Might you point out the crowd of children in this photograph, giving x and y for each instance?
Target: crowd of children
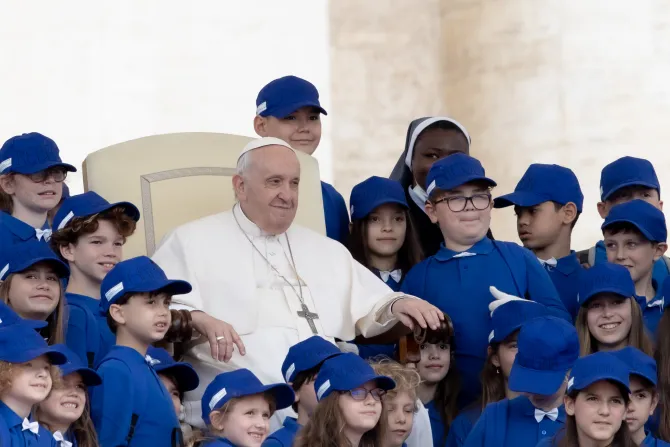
(541, 345)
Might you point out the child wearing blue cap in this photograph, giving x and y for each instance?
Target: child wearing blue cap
(237, 407)
(547, 202)
(89, 234)
(300, 369)
(382, 236)
(609, 316)
(440, 383)
(399, 405)
(643, 394)
(428, 140)
(66, 411)
(507, 317)
(132, 407)
(349, 394)
(635, 236)
(30, 283)
(289, 108)
(460, 203)
(26, 378)
(621, 181)
(547, 349)
(595, 404)
(31, 184)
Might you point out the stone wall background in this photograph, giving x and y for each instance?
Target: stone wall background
(559, 81)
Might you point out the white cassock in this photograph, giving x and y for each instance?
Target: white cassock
(232, 282)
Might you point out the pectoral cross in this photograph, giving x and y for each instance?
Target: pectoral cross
(309, 316)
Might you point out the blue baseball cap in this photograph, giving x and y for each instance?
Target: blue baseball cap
(284, 96)
(547, 349)
(240, 383)
(374, 192)
(543, 183)
(306, 355)
(23, 255)
(605, 277)
(596, 367)
(638, 363)
(75, 364)
(455, 170)
(20, 343)
(346, 372)
(627, 171)
(30, 153)
(648, 219)
(9, 318)
(509, 317)
(87, 204)
(138, 275)
(186, 377)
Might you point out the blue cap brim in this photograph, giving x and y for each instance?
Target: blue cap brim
(283, 112)
(186, 377)
(129, 209)
(34, 169)
(597, 378)
(383, 382)
(526, 380)
(451, 184)
(88, 376)
(55, 356)
(520, 198)
(642, 230)
(605, 289)
(62, 269)
(633, 183)
(171, 287)
(282, 393)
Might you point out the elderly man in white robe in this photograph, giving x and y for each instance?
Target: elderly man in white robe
(262, 283)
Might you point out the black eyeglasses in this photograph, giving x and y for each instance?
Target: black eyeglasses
(362, 393)
(58, 175)
(459, 203)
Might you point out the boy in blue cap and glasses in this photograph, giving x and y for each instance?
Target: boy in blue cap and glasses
(132, 407)
(89, 234)
(635, 236)
(623, 180)
(300, 369)
(289, 108)
(457, 279)
(547, 350)
(643, 394)
(31, 185)
(547, 202)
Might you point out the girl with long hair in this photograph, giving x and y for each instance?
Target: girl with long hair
(595, 404)
(237, 407)
(31, 185)
(66, 411)
(506, 321)
(350, 408)
(663, 365)
(609, 316)
(31, 284)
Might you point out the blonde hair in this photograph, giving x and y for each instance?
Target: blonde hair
(406, 379)
(637, 337)
(9, 370)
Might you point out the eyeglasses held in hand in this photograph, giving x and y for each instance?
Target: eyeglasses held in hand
(459, 203)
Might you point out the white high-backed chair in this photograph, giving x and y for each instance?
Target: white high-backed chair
(176, 178)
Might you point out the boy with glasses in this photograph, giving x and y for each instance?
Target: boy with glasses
(31, 185)
(547, 203)
(459, 277)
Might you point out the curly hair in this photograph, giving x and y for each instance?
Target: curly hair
(9, 370)
(54, 332)
(81, 226)
(406, 379)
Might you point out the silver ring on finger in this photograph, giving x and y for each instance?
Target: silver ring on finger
(220, 337)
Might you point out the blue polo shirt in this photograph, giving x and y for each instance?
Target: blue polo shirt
(69, 437)
(462, 425)
(336, 214)
(14, 231)
(392, 283)
(650, 441)
(130, 386)
(458, 284)
(518, 429)
(284, 436)
(566, 276)
(11, 428)
(436, 425)
(653, 310)
(659, 273)
(87, 333)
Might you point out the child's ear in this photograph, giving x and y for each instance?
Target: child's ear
(569, 213)
(495, 359)
(67, 252)
(654, 402)
(602, 209)
(431, 212)
(216, 420)
(569, 405)
(117, 314)
(660, 249)
(261, 125)
(7, 184)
